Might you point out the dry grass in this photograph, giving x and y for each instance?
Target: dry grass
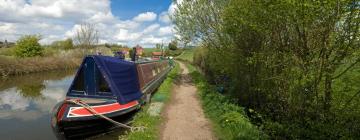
(18, 66)
(58, 60)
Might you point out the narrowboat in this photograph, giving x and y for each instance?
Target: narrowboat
(111, 87)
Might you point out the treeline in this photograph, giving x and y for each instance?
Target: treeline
(29, 56)
(296, 63)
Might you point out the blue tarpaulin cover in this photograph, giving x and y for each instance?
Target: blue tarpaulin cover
(120, 75)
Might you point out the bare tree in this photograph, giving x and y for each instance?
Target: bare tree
(87, 35)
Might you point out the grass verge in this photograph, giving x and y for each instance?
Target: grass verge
(152, 123)
(186, 56)
(228, 119)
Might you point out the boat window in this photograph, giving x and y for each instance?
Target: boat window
(103, 86)
(79, 82)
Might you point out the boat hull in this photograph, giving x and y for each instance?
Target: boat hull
(70, 120)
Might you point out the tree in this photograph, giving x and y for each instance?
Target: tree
(173, 45)
(281, 56)
(158, 46)
(28, 46)
(87, 35)
(63, 44)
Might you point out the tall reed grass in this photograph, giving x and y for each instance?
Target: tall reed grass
(18, 66)
(53, 60)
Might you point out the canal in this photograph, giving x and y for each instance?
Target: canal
(26, 104)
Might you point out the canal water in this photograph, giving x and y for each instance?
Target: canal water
(26, 104)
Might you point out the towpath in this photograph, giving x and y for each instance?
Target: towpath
(184, 117)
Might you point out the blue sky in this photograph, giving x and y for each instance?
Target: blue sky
(128, 22)
(126, 9)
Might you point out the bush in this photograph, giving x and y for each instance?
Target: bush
(28, 46)
(173, 45)
(288, 60)
(64, 44)
(173, 52)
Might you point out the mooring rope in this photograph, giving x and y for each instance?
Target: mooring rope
(89, 108)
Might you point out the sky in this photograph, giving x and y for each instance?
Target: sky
(127, 22)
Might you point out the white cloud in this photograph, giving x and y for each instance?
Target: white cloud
(13, 99)
(167, 30)
(7, 28)
(174, 6)
(59, 19)
(23, 11)
(128, 24)
(125, 35)
(151, 40)
(102, 18)
(148, 16)
(72, 32)
(151, 28)
(164, 17)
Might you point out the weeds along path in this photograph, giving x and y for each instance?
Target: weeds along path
(184, 117)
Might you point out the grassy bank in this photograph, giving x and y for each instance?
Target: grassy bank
(53, 59)
(148, 52)
(229, 120)
(186, 56)
(143, 118)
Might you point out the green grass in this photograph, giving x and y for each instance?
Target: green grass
(148, 51)
(152, 123)
(228, 119)
(187, 55)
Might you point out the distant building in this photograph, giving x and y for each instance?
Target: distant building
(156, 55)
(125, 51)
(139, 50)
(6, 44)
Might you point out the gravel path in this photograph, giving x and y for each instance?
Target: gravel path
(184, 117)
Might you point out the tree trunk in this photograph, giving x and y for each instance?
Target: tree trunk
(328, 91)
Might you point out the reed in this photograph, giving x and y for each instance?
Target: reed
(19, 66)
(53, 59)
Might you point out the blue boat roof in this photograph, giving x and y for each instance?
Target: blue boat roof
(118, 75)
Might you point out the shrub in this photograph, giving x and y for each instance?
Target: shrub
(28, 46)
(173, 45)
(63, 44)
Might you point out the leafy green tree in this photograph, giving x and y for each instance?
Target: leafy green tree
(173, 45)
(158, 46)
(64, 44)
(28, 46)
(282, 58)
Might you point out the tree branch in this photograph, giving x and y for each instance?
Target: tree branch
(347, 69)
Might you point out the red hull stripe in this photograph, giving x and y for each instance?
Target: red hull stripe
(101, 109)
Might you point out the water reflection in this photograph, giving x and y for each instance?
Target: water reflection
(26, 103)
